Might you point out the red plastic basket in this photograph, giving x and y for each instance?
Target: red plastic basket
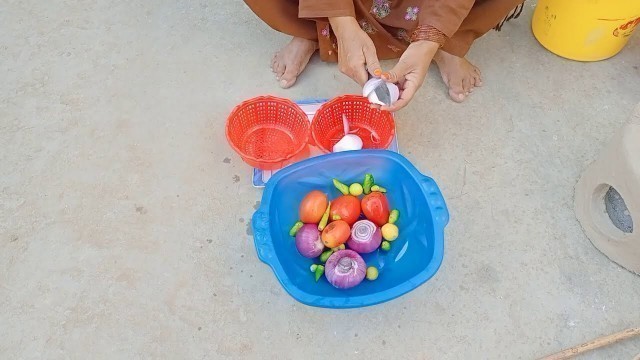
(268, 132)
(376, 128)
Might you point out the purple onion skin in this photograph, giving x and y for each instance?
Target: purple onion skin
(308, 241)
(345, 269)
(364, 247)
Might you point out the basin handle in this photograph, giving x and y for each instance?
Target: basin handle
(261, 235)
(436, 201)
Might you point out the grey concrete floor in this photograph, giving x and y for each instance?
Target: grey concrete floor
(124, 232)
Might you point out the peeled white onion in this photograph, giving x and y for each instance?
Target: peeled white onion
(347, 143)
(372, 84)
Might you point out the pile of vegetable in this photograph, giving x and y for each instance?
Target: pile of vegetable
(336, 232)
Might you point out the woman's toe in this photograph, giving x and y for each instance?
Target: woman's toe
(466, 85)
(456, 96)
(472, 81)
(280, 68)
(456, 91)
(477, 76)
(289, 77)
(477, 80)
(287, 83)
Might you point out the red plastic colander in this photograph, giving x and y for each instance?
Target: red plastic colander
(268, 132)
(376, 128)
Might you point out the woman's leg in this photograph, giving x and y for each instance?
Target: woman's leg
(483, 17)
(459, 74)
(282, 16)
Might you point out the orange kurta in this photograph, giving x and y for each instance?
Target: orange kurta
(389, 23)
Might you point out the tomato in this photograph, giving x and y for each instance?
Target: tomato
(347, 207)
(313, 207)
(376, 208)
(336, 234)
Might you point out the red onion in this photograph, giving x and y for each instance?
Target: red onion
(308, 241)
(365, 237)
(345, 269)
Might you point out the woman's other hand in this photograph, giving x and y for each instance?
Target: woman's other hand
(410, 71)
(356, 51)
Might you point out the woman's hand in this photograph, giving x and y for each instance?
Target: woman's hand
(356, 52)
(410, 71)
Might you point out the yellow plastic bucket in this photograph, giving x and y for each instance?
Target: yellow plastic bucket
(585, 30)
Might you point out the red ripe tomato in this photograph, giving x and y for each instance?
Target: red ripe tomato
(336, 234)
(346, 207)
(313, 207)
(376, 208)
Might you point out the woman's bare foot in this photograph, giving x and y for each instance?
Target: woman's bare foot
(289, 62)
(458, 74)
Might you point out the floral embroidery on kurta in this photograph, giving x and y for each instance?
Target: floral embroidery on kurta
(393, 48)
(381, 8)
(412, 13)
(367, 27)
(325, 31)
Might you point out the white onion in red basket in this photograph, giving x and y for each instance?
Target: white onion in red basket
(308, 241)
(349, 141)
(365, 237)
(345, 269)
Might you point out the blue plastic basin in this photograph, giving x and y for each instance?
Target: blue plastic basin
(414, 257)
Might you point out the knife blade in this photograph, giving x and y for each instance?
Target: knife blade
(382, 92)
